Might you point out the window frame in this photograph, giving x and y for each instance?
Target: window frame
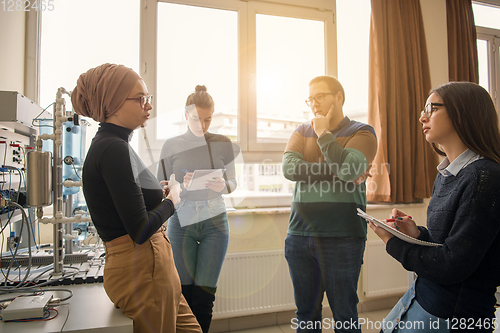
(252, 150)
(32, 55)
(255, 8)
(488, 2)
(492, 37)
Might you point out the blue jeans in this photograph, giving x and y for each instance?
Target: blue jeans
(408, 316)
(331, 264)
(199, 249)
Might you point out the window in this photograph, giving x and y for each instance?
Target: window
(255, 58)
(196, 45)
(283, 44)
(488, 47)
(76, 37)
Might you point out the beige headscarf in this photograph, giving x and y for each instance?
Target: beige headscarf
(102, 90)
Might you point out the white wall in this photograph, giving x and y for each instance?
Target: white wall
(12, 36)
(434, 16)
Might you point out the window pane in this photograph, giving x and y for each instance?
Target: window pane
(482, 57)
(76, 37)
(486, 16)
(196, 45)
(353, 32)
(260, 185)
(290, 52)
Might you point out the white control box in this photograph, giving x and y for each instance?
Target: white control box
(26, 307)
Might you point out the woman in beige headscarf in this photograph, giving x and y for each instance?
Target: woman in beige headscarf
(127, 204)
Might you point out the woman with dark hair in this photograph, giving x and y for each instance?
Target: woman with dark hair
(456, 283)
(127, 204)
(199, 229)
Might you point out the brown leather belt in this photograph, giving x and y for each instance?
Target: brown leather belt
(125, 239)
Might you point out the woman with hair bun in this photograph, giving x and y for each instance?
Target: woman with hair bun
(127, 204)
(199, 229)
(456, 283)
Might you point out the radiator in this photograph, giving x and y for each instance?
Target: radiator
(382, 274)
(253, 283)
(259, 282)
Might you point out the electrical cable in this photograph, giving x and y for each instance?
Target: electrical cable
(9, 221)
(67, 316)
(23, 178)
(4, 159)
(1, 231)
(33, 231)
(38, 229)
(46, 283)
(9, 197)
(17, 264)
(25, 219)
(34, 291)
(9, 192)
(76, 172)
(18, 187)
(1, 270)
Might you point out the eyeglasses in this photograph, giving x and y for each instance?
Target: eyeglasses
(143, 100)
(429, 109)
(320, 98)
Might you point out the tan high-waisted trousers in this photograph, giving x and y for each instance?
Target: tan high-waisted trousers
(143, 282)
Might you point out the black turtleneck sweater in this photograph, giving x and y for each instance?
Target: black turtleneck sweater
(189, 152)
(123, 196)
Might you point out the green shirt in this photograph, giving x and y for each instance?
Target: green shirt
(325, 198)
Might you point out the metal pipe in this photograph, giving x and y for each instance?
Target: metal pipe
(75, 219)
(59, 114)
(68, 227)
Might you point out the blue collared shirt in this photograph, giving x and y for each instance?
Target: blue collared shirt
(467, 157)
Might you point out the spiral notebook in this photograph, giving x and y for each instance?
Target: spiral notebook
(395, 232)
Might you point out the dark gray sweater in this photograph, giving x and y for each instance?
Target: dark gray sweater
(458, 279)
(189, 152)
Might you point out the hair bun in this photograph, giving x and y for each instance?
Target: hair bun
(200, 88)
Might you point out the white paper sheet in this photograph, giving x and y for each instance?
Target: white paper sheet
(395, 232)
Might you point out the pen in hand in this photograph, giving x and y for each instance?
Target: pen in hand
(394, 220)
(398, 218)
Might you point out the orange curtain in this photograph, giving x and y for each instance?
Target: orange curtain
(462, 41)
(404, 168)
